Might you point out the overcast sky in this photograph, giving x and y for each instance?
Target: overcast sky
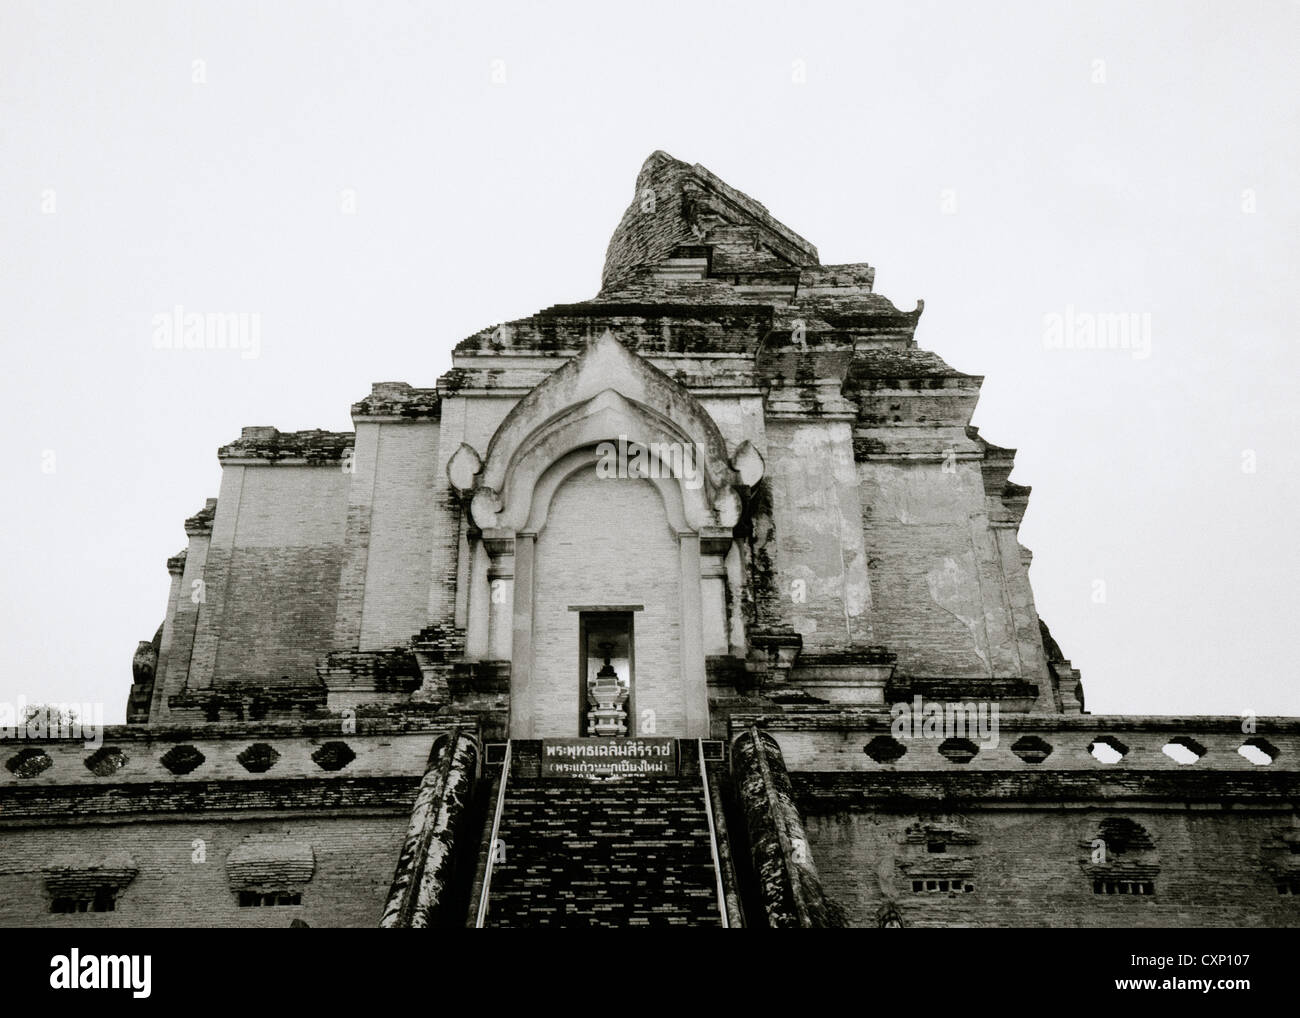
(1005, 162)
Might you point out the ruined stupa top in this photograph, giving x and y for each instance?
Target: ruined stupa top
(680, 210)
(697, 267)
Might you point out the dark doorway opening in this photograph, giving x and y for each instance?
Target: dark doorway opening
(606, 690)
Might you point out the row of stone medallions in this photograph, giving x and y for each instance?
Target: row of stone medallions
(1106, 749)
(256, 758)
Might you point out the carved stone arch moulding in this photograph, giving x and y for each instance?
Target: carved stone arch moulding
(605, 395)
(601, 402)
(673, 495)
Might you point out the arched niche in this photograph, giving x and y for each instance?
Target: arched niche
(589, 458)
(605, 364)
(513, 553)
(604, 397)
(611, 421)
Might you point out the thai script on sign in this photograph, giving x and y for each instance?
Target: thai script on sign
(598, 758)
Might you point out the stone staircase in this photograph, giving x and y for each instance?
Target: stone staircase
(630, 852)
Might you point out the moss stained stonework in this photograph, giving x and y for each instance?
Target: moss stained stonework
(816, 558)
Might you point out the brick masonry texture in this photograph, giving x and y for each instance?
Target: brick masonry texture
(348, 597)
(872, 540)
(1030, 867)
(270, 578)
(374, 754)
(354, 859)
(606, 543)
(821, 560)
(400, 547)
(141, 801)
(631, 853)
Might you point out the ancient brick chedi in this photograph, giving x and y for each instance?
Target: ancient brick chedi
(696, 603)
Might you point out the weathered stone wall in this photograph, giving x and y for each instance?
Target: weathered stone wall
(442, 516)
(315, 808)
(624, 854)
(1008, 835)
(821, 562)
(422, 893)
(177, 592)
(271, 584)
(353, 862)
(355, 557)
(607, 542)
(938, 596)
(131, 754)
(1033, 867)
(679, 204)
(818, 739)
(738, 414)
(790, 891)
(191, 593)
(401, 535)
(483, 414)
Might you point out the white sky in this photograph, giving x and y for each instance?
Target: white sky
(478, 202)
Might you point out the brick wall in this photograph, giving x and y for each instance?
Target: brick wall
(351, 595)
(178, 651)
(441, 511)
(213, 753)
(401, 535)
(826, 740)
(1031, 867)
(938, 599)
(354, 859)
(1017, 822)
(821, 564)
(634, 852)
(272, 574)
(139, 802)
(607, 541)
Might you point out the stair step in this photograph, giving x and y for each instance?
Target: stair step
(634, 852)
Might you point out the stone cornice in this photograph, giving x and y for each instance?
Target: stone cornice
(266, 445)
(200, 524)
(398, 401)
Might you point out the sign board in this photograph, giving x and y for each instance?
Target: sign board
(609, 758)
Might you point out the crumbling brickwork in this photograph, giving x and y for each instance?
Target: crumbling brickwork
(835, 539)
(1031, 867)
(633, 853)
(353, 856)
